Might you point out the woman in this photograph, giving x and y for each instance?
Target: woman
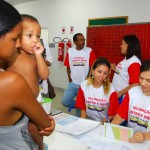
(127, 71)
(136, 107)
(17, 102)
(97, 98)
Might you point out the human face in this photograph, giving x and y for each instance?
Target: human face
(100, 74)
(80, 42)
(145, 82)
(10, 42)
(31, 36)
(124, 47)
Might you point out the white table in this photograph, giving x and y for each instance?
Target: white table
(61, 141)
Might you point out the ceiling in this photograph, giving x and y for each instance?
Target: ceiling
(15, 2)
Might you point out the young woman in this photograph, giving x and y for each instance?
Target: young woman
(17, 101)
(136, 107)
(97, 98)
(127, 71)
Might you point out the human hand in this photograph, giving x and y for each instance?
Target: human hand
(47, 131)
(137, 138)
(38, 49)
(113, 66)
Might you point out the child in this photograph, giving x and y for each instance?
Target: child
(97, 98)
(17, 101)
(29, 63)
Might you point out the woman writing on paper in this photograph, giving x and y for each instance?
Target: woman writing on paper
(97, 98)
(136, 107)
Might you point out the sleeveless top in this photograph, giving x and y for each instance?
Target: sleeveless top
(17, 137)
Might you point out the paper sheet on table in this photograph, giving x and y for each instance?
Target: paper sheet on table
(117, 132)
(79, 126)
(102, 145)
(64, 119)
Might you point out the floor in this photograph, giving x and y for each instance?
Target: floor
(56, 103)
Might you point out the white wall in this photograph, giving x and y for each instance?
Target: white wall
(53, 14)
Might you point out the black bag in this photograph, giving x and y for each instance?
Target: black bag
(51, 91)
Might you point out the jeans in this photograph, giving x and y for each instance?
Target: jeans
(69, 95)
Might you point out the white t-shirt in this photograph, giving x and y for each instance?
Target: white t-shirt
(137, 105)
(121, 77)
(79, 64)
(96, 101)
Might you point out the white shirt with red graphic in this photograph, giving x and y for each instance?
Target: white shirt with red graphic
(97, 104)
(127, 72)
(136, 109)
(79, 62)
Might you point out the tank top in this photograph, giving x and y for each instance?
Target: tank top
(17, 137)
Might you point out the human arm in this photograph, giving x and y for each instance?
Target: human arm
(66, 63)
(125, 90)
(139, 137)
(49, 130)
(134, 72)
(80, 103)
(21, 98)
(113, 105)
(43, 70)
(122, 112)
(113, 66)
(92, 58)
(83, 113)
(68, 73)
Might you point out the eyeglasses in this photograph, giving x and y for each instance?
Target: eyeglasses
(79, 40)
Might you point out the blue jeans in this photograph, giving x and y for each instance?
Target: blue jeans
(69, 95)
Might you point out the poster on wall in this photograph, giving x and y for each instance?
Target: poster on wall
(63, 30)
(71, 29)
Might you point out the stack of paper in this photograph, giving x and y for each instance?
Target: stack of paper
(117, 132)
(74, 125)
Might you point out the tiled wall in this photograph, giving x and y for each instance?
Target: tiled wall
(106, 40)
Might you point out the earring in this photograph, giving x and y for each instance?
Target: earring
(92, 76)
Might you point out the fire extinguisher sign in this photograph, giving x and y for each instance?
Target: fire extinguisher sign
(71, 29)
(63, 30)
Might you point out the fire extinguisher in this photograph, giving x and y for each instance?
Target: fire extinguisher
(60, 48)
(60, 51)
(68, 45)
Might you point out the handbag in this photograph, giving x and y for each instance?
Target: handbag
(51, 91)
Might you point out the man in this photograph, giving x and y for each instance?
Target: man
(78, 61)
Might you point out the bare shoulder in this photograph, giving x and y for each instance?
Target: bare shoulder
(11, 80)
(22, 63)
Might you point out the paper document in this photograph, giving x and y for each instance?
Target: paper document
(117, 132)
(102, 145)
(74, 125)
(64, 119)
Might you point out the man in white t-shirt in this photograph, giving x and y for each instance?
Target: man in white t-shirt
(78, 61)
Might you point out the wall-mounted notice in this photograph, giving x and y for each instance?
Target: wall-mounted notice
(71, 29)
(63, 30)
